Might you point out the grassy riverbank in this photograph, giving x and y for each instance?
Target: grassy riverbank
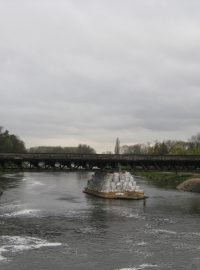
(164, 179)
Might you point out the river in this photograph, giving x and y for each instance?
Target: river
(46, 222)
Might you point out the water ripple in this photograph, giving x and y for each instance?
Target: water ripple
(17, 244)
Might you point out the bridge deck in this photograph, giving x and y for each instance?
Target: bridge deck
(99, 161)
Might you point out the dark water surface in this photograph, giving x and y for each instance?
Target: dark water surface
(46, 222)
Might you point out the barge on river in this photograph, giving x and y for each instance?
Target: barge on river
(114, 186)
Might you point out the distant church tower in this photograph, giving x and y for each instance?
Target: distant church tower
(117, 147)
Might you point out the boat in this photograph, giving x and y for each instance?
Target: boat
(117, 185)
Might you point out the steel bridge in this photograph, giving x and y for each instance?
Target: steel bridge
(98, 162)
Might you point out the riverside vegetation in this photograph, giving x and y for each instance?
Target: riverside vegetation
(166, 179)
(185, 181)
(166, 147)
(10, 143)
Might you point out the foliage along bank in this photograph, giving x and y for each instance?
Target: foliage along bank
(167, 147)
(80, 149)
(166, 179)
(10, 143)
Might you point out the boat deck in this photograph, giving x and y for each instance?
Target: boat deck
(129, 195)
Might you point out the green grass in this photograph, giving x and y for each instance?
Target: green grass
(166, 179)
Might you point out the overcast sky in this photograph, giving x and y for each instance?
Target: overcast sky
(74, 71)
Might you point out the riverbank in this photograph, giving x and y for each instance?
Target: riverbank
(192, 185)
(167, 179)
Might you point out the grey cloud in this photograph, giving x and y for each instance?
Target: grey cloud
(89, 71)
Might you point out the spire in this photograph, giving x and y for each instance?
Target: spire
(117, 147)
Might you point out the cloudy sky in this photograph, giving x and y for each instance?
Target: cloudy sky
(74, 71)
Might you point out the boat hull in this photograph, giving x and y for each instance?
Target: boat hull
(128, 195)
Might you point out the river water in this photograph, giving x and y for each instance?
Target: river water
(46, 222)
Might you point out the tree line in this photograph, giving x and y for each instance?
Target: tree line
(80, 149)
(10, 143)
(167, 147)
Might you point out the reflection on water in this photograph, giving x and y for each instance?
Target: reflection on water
(46, 222)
